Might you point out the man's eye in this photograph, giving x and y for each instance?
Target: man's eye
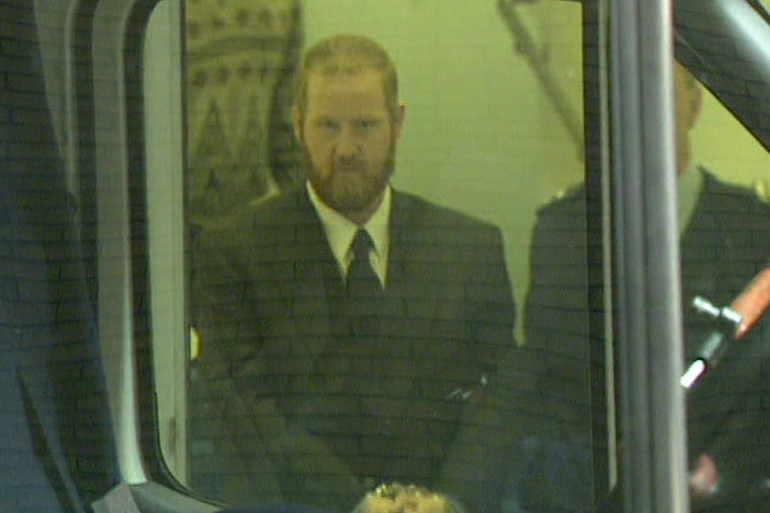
(328, 125)
(368, 124)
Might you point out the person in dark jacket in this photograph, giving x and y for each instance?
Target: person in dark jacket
(725, 242)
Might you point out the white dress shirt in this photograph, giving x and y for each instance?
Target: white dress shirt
(340, 231)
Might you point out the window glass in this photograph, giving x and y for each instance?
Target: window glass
(280, 401)
(281, 405)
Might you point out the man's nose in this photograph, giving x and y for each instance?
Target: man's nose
(347, 145)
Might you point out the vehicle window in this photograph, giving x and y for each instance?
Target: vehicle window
(268, 391)
(276, 411)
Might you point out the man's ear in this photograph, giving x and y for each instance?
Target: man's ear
(398, 123)
(696, 102)
(296, 122)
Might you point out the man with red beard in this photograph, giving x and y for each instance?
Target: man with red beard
(350, 331)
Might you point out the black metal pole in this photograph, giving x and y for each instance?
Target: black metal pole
(649, 334)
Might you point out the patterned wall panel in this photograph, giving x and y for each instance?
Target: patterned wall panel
(241, 55)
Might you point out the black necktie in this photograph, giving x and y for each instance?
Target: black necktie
(362, 282)
(364, 303)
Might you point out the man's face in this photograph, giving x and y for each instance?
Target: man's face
(348, 140)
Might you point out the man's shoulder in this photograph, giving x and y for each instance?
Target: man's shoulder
(419, 206)
(744, 195)
(270, 217)
(414, 209)
(278, 208)
(567, 203)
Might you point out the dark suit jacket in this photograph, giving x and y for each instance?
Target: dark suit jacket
(334, 415)
(725, 244)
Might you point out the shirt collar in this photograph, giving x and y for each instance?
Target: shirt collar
(340, 230)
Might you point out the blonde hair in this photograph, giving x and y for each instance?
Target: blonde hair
(397, 492)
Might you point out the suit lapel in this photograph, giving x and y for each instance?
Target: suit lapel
(313, 265)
